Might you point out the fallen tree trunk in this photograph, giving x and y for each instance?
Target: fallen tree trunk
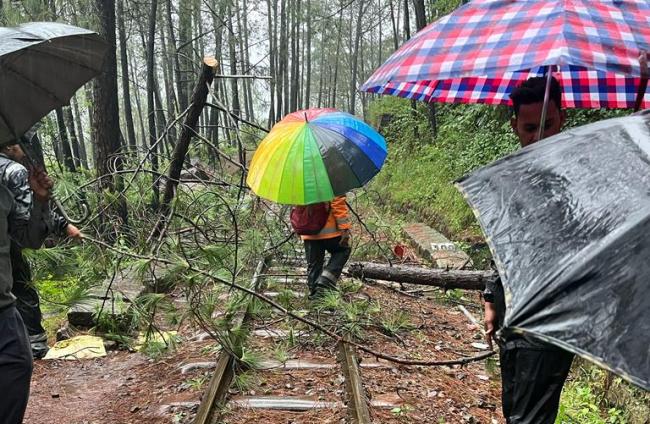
(446, 279)
(199, 97)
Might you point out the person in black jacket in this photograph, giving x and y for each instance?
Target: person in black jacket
(23, 224)
(532, 372)
(15, 177)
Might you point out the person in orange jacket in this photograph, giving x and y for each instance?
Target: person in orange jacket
(334, 238)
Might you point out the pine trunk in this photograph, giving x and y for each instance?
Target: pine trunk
(236, 107)
(336, 59)
(68, 159)
(394, 24)
(126, 89)
(151, 110)
(247, 63)
(168, 80)
(282, 70)
(184, 51)
(240, 40)
(83, 155)
(74, 142)
(284, 57)
(355, 60)
(105, 116)
(138, 104)
(271, 10)
(308, 48)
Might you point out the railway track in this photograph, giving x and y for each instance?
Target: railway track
(342, 395)
(301, 376)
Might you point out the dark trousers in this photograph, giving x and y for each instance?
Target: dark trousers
(320, 276)
(27, 300)
(532, 378)
(15, 367)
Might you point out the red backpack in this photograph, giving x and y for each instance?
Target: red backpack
(309, 220)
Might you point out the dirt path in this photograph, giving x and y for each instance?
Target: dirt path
(131, 388)
(120, 388)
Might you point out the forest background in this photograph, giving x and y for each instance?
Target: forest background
(113, 146)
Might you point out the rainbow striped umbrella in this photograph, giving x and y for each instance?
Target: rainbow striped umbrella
(314, 155)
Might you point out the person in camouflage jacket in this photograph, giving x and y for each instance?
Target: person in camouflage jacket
(15, 177)
(23, 224)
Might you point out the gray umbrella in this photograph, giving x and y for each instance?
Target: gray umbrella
(42, 64)
(568, 222)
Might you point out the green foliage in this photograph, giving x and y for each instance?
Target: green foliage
(582, 400)
(416, 182)
(281, 352)
(251, 358)
(396, 322)
(58, 294)
(401, 411)
(197, 383)
(157, 347)
(417, 179)
(244, 381)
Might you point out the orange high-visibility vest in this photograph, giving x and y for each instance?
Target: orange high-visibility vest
(337, 221)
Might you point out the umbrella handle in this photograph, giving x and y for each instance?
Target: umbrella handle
(31, 157)
(84, 214)
(643, 83)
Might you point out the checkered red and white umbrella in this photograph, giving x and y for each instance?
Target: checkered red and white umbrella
(481, 51)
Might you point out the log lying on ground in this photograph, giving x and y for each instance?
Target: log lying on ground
(446, 279)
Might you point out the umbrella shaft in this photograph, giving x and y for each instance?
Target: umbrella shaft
(547, 92)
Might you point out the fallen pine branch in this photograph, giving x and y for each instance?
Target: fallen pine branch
(280, 308)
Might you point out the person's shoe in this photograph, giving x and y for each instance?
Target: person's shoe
(39, 345)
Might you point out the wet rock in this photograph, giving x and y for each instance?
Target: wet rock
(486, 405)
(197, 365)
(448, 371)
(63, 333)
(110, 345)
(470, 419)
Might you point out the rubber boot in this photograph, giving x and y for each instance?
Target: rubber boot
(323, 285)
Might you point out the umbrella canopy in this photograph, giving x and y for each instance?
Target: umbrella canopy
(484, 49)
(313, 155)
(568, 222)
(42, 64)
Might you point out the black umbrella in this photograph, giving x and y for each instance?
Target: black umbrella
(568, 222)
(42, 64)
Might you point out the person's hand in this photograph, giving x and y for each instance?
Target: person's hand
(490, 323)
(73, 232)
(41, 184)
(345, 238)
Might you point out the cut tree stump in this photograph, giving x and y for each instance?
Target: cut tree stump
(446, 279)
